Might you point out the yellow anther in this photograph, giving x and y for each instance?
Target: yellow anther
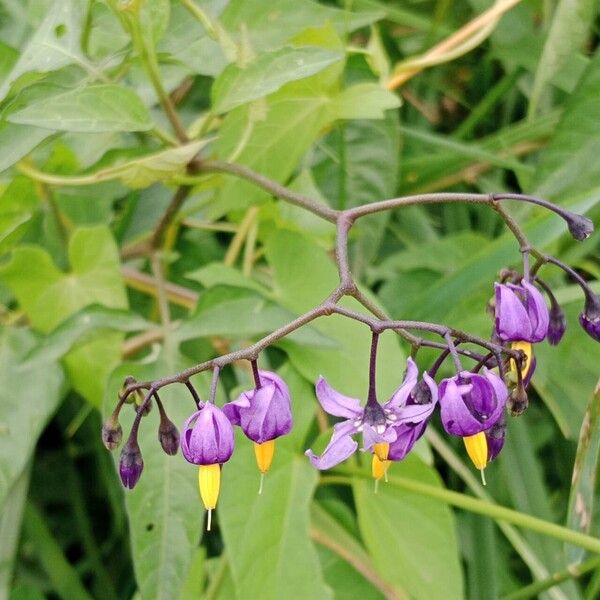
(379, 467)
(209, 481)
(527, 349)
(477, 449)
(264, 455)
(381, 450)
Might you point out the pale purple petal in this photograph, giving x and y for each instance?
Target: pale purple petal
(512, 320)
(371, 436)
(207, 437)
(339, 448)
(456, 417)
(538, 312)
(337, 404)
(401, 395)
(232, 409)
(269, 415)
(500, 393)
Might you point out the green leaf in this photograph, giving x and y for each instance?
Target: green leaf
(268, 73)
(164, 509)
(16, 141)
(363, 101)
(217, 273)
(28, 397)
(93, 109)
(564, 167)
(48, 296)
(585, 471)
(571, 23)
(410, 538)
(55, 44)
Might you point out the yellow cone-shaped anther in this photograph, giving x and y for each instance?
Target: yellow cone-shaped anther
(527, 349)
(209, 480)
(379, 467)
(381, 450)
(477, 449)
(264, 455)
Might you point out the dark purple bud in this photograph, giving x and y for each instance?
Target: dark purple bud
(495, 438)
(518, 401)
(590, 317)
(264, 413)
(112, 433)
(471, 403)
(168, 436)
(207, 437)
(521, 313)
(131, 464)
(580, 227)
(557, 324)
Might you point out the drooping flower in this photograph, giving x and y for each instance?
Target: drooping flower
(521, 313)
(590, 317)
(470, 405)
(378, 424)
(131, 463)
(264, 414)
(207, 440)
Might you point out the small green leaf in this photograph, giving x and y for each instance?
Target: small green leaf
(363, 101)
(16, 141)
(266, 74)
(217, 273)
(93, 109)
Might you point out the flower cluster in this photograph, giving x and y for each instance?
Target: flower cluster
(473, 404)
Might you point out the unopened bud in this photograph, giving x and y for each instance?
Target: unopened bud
(168, 436)
(580, 227)
(131, 464)
(557, 324)
(112, 433)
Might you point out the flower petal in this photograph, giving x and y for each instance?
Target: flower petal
(501, 394)
(339, 448)
(207, 437)
(406, 437)
(337, 404)
(401, 395)
(456, 417)
(538, 312)
(512, 320)
(371, 436)
(232, 409)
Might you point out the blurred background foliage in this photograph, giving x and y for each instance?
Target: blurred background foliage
(350, 102)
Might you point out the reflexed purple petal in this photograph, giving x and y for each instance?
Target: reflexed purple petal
(495, 438)
(207, 437)
(414, 413)
(512, 321)
(401, 395)
(339, 448)
(538, 312)
(591, 325)
(232, 409)
(457, 419)
(373, 436)
(406, 437)
(269, 415)
(337, 404)
(500, 393)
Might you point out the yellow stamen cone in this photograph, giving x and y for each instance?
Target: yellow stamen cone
(527, 348)
(477, 449)
(381, 450)
(379, 468)
(209, 481)
(264, 455)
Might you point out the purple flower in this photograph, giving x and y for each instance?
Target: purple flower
(521, 313)
(264, 413)
(495, 438)
(472, 403)
(378, 424)
(590, 317)
(207, 437)
(131, 464)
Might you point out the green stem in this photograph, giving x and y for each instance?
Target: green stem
(63, 576)
(482, 507)
(537, 587)
(202, 17)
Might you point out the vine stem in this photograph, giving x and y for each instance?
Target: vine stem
(482, 507)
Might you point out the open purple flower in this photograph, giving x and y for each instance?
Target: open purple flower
(207, 437)
(264, 413)
(472, 403)
(521, 313)
(378, 424)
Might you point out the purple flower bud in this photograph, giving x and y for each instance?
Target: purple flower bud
(131, 464)
(264, 413)
(580, 227)
(590, 317)
(521, 313)
(112, 433)
(207, 437)
(557, 324)
(495, 438)
(168, 436)
(471, 403)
